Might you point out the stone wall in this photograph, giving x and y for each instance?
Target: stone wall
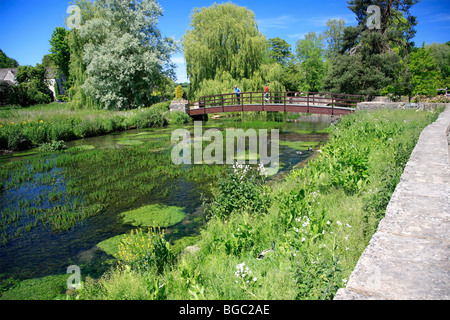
(179, 105)
(374, 105)
(408, 257)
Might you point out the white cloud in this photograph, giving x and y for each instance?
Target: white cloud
(440, 17)
(280, 22)
(297, 35)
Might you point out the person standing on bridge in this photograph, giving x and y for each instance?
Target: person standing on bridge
(238, 93)
(266, 94)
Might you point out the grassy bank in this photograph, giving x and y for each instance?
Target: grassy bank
(24, 128)
(316, 223)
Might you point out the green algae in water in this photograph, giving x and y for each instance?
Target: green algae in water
(128, 142)
(45, 288)
(155, 215)
(299, 144)
(83, 147)
(181, 244)
(247, 156)
(111, 245)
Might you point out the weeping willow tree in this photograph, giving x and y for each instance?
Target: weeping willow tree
(223, 47)
(77, 69)
(78, 74)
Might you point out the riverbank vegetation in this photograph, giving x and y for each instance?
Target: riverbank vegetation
(31, 127)
(315, 224)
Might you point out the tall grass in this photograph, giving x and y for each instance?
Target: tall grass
(25, 128)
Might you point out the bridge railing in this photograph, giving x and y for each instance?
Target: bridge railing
(279, 98)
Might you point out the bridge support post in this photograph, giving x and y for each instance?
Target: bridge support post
(307, 103)
(179, 105)
(332, 104)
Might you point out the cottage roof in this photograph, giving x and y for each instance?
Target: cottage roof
(49, 74)
(4, 72)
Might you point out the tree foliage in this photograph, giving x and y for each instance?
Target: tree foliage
(430, 66)
(118, 55)
(33, 86)
(7, 62)
(279, 51)
(333, 36)
(222, 39)
(373, 61)
(311, 55)
(179, 92)
(358, 75)
(389, 16)
(60, 51)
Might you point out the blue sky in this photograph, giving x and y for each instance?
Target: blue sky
(26, 25)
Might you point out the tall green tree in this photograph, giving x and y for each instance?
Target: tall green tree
(441, 55)
(333, 36)
(374, 59)
(222, 38)
(279, 51)
(311, 55)
(426, 75)
(389, 17)
(119, 55)
(60, 51)
(7, 62)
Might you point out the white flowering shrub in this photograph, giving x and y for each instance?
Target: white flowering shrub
(241, 190)
(245, 279)
(125, 55)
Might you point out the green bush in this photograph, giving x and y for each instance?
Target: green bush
(178, 118)
(62, 131)
(32, 88)
(240, 190)
(53, 146)
(143, 251)
(148, 118)
(7, 93)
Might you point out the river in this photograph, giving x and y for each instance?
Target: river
(39, 251)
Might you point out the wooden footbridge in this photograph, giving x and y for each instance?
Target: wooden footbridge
(304, 102)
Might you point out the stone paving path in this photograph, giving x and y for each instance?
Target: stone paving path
(408, 258)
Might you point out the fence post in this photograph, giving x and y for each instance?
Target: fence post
(307, 103)
(332, 104)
